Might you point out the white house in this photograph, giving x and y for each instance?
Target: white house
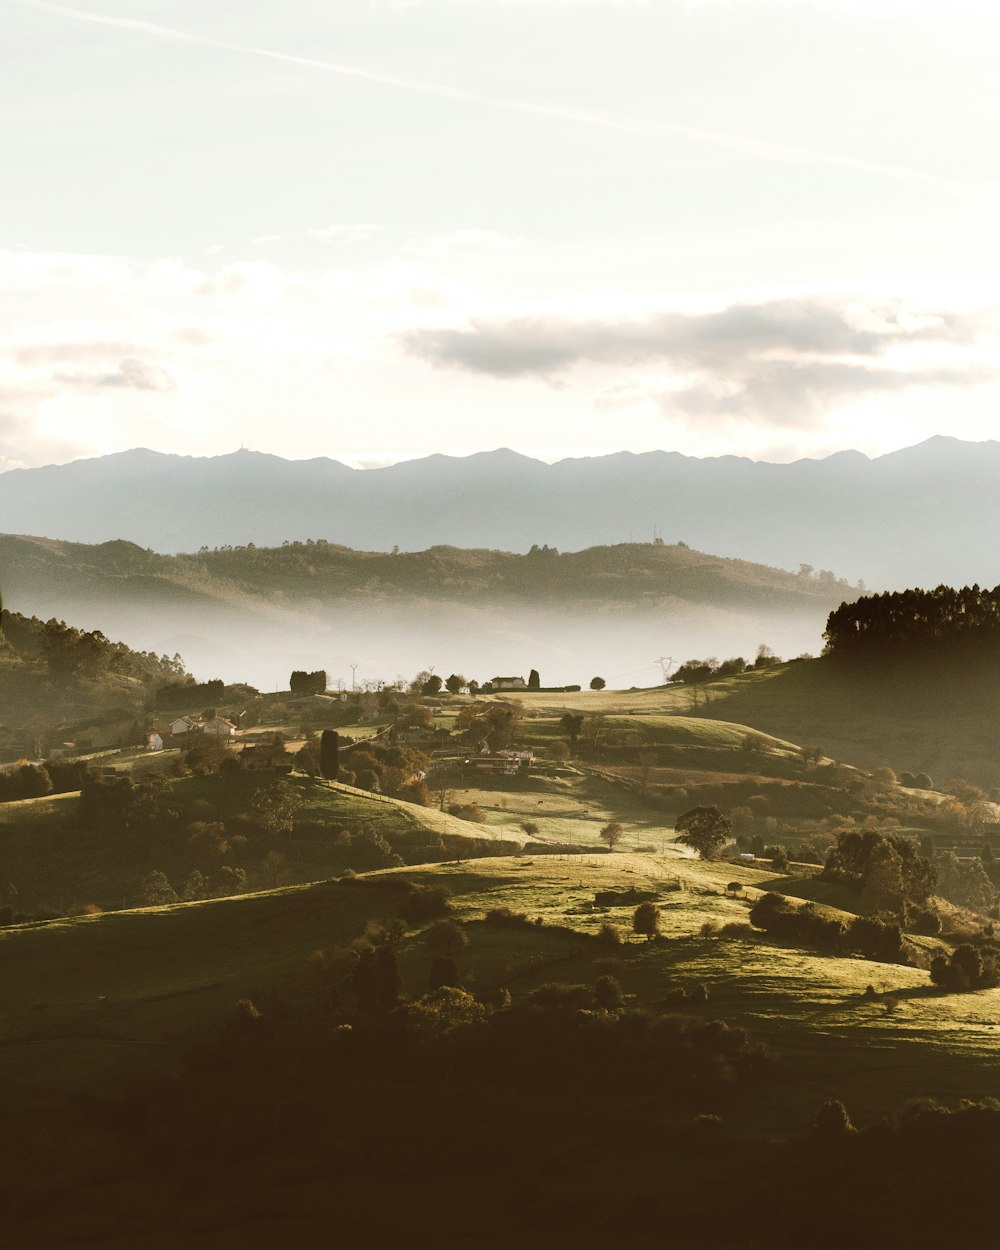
(506, 763)
(509, 683)
(219, 727)
(154, 742)
(183, 725)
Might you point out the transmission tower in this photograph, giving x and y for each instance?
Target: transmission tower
(666, 663)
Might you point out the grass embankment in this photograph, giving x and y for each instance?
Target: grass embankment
(944, 722)
(51, 862)
(90, 1000)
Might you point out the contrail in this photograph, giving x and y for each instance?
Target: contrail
(745, 146)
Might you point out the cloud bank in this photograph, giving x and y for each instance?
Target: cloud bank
(777, 361)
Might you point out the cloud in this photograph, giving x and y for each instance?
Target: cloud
(56, 353)
(543, 344)
(473, 239)
(778, 393)
(345, 232)
(131, 373)
(776, 361)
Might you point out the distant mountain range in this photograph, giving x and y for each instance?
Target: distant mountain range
(921, 516)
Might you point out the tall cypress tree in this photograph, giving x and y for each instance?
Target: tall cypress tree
(329, 754)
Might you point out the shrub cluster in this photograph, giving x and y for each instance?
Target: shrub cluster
(394, 770)
(424, 902)
(185, 694)
(32, 781)
(967, 968)
(876, 937)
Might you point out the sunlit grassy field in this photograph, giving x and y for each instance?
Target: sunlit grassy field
(90, 1000)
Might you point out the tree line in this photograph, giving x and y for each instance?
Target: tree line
(84, 655)
(912, 620)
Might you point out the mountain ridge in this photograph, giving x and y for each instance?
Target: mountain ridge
(921, 515)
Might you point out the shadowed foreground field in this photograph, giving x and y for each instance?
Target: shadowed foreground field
(144, 1107)
(91, 999)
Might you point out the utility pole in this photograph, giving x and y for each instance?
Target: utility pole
(666, 663)
(354, 669)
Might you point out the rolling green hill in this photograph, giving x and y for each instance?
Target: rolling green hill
(941, 719)
(91, 999)
(636, 573)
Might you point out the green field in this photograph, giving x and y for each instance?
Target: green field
(91, 1001)
(88, 1001)
(946, 725)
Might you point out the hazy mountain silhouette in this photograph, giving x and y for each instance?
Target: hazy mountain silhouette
(924, 515)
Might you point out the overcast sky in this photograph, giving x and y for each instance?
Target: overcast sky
(376, 229)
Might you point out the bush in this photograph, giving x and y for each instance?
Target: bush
(504, 918)
(923, 920)
(555, 995)
(444, 971)
(968, 968)
(646, 920)
(806, 925)
(425, 902)
(205, 756)
(468, 811)
(695, 996)
(445, 937)
(607, 994)
(832, 1122)
(879, 938)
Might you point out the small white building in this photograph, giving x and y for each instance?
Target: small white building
(506, 763)
(183, 725)
(154, 742)
(219, 727)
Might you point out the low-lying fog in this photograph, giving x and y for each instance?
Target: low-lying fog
(568, 645)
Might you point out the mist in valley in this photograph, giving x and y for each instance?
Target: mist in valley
(568, 644)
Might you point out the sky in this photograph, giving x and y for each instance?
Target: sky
(379, 229)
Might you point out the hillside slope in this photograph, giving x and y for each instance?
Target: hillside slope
(629, 573)
(944, 721)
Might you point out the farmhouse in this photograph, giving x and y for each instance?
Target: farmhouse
(508, 683)
(501, 763)
(154, 741)
(184, 725)
(219, 727)
(412, 734)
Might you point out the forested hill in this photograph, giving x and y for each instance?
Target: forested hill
(33, 569)
(944, 620)
(49, 667)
